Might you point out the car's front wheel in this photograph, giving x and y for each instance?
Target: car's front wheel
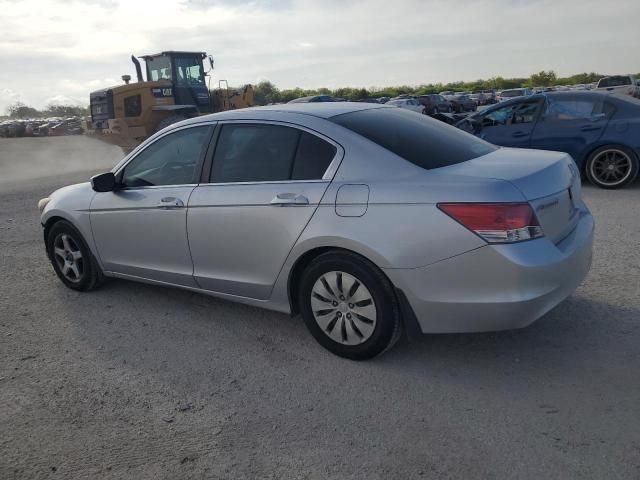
(349, 306)
(71, 258)
(612, 166)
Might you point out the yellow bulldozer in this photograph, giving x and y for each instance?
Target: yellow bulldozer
(175, 89)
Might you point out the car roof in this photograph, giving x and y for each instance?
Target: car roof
(319, 109)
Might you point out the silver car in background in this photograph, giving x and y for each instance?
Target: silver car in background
(363, 218)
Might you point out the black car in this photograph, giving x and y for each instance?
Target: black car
(462, 103)
(435, 103)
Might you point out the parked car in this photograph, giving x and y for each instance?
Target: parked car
(624, 84)
(490, 95)
(478, 97)
(514, 93)
(447, 93)
(462, 103)
(313, 99)
(435, 103)
(366, 219)
(408, 104)
(600, 131)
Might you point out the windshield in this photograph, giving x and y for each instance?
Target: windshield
(189, 71)
(614, 82)
(158, 68)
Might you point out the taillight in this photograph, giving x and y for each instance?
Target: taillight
(496, 222)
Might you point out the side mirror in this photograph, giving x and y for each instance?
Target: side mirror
(104, 182)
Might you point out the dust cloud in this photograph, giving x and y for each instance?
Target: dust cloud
(25, 159)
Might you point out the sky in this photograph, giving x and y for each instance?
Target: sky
(54, 51)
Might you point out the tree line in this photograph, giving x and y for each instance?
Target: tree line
(266, 92)
(20, 110)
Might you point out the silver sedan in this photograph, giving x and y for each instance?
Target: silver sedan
(365, 219)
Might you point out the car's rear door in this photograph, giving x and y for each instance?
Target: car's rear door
(571, 123)
(265, 182)
(140, 229)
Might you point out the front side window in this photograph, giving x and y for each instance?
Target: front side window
(171, 160)
(266, 153)
(418, 139)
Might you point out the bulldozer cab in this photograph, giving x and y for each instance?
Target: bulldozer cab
(185, 72)
(175, 88)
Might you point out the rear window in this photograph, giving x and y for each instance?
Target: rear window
(614, 82)
(422, 141)
(512, 93)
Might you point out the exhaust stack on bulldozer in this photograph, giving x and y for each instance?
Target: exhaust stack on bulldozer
(175, 89)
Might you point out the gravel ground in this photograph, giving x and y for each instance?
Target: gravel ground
(137, 381)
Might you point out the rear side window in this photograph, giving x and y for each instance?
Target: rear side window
(422, 141)
(576, 108)
(313, 158)
(261, 153)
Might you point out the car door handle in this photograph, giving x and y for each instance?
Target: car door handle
(284, 199)
(519, 134)
(590, 128)
(170, 202)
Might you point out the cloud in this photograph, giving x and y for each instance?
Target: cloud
(54, 47)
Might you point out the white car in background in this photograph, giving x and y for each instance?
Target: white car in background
(408, 104)
(625, 84)
(514, 93)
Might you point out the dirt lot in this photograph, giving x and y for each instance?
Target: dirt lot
(135, 381)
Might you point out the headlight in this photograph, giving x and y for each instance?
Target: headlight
(43, 203)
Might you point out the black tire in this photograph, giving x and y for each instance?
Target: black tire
(596, 172)
(170, 120)
(388, 324)
(91, 276)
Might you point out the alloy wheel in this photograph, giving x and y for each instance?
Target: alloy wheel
(611, 167)
(343, 308)
(68, 257)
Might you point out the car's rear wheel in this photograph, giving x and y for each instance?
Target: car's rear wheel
(612, 166)
(71, 258)
(349, 306)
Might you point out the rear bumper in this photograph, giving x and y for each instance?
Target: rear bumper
(497, 287)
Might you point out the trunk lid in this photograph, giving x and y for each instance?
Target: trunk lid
(549, 181)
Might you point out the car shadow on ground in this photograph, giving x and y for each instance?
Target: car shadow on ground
(142, 318)
(578, 330)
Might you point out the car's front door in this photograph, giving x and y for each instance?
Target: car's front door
(266, 182)
(510, 125)
(571, 124)
(141, 228)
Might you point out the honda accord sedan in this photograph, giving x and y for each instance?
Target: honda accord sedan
(366, 220)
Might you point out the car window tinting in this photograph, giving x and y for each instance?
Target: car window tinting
(422, 141)
(254, 153)
(171, 160)
(313, 158)
(262, 152)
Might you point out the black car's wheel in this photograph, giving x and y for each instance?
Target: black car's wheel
(612, 166)
(349, 306)
(71, 258)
